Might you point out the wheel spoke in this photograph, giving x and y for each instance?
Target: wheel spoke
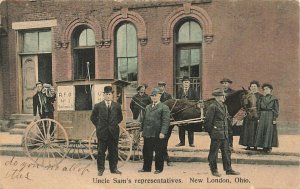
(34, 139)
(44, 129)
(57, 151)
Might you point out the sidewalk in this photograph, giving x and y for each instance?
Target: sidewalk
(288, 152)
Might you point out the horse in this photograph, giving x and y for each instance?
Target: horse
(183, 109)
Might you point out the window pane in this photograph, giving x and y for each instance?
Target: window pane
(195, 31)
(184, 63)
(121, 41)
(131, 41)
(30, 42)
(82, 38)
(45, 41)
(90, 37)
(132, 69)
(183, 33)
(122, 69)
(195, 56)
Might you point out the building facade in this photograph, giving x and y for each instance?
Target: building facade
(146, 42)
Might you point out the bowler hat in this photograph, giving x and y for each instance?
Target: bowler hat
(267, 85)
(218, 92)
(185, 78)
(225, 80)
(161, 83)
(155, 91)
(108, 89)
(141, 85)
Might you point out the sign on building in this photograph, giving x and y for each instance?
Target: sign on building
(65, 98)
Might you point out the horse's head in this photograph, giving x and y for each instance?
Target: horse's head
(234, 101)
(248, 102)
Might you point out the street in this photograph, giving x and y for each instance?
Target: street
(20, 172)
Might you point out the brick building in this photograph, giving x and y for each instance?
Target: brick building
(148, 41)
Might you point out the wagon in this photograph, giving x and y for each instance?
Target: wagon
(48, 142)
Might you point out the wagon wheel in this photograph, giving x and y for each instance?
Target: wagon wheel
(78, 149)
(46, 142)
(125, 146)
(137, 143)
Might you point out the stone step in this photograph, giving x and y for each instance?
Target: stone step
(16, 131)
(20, 126)
(21, 116)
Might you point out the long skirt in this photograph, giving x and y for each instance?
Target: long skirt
(248, 134)
(266, 136)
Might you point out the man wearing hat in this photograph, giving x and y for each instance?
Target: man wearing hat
(226, 86)
(106, 116)
(164, 97)
(228, 91)
(187, 93)
(154, 128)
(37, 100)
(216, 125)
(139, 101)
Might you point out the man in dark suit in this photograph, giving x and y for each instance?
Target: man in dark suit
(37, 100)
(106, 117)
(164, 97)
(154, 127)
(216, 124)
(225, 82)
(188, 93)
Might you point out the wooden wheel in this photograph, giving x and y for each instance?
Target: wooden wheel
(137, 143)
(125, 146)
(46, 142)
(78, 149)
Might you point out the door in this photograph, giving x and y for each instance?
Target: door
(30, 77)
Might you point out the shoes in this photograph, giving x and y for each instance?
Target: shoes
(192, 145)
(232, 172)
(142, 171)
(100, 173)
(215, 173)
(248, 148)
(116, 172)
(157, 172)
(179, 144)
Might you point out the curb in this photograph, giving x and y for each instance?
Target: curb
(200, 156)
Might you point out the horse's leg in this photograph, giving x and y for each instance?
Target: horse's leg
(165, 145)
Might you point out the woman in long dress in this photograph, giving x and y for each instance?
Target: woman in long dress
(248, 135)
(268, 111)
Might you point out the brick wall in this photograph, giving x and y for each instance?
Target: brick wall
(252, 40)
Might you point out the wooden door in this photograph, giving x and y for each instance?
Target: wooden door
(30, 77)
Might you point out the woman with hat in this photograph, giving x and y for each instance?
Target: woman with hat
(139, 101)
(248, 134)
(268, 111)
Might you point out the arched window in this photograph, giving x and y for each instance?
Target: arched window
(188, 48)
(126, 59)
(84, 53)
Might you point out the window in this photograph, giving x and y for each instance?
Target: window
(83, 97)
(84, 53)
(126, 53)
(188, 48)
(36, 41)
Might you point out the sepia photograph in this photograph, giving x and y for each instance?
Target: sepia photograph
(156, 94)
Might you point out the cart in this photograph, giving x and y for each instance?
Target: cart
(48, 142)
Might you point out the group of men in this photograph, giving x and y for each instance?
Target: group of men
(155, 120)
(155, 124)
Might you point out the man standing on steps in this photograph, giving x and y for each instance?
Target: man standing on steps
(216, 124)
(106, 116)
(37, 100)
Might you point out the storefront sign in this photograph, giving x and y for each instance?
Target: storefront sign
(65, 98)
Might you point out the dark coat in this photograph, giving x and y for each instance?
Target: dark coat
(137, 104)
(216, 121)
(43, 104)
(107, 127)
(191, 94)
(165, 96)
(268, 111)
(156, 120)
